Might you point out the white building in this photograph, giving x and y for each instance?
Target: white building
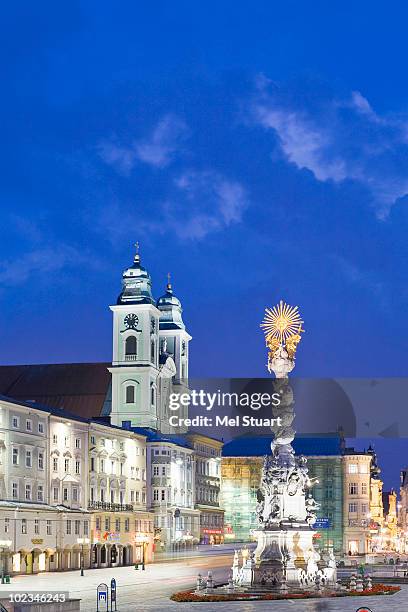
(171, 494)
(70, 486)
(41, 529)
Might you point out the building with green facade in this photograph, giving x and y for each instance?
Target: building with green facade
(241, 467)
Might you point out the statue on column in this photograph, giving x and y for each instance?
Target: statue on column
(286, 510)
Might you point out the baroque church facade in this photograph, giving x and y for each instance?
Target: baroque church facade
(150, 352)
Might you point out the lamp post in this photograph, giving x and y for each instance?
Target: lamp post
(4, 546)
(82, 542)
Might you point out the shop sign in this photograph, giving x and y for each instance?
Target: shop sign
(111, 536)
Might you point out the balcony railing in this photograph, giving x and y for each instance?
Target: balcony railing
(96, 505)
(130, 357)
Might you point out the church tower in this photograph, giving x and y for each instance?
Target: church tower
(135, 362)
(173, 337)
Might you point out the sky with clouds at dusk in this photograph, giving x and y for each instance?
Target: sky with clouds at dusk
(257, 151)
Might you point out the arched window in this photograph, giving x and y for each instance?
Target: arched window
(152, 395)
(131, 346)
(130, 394)
(152, 352)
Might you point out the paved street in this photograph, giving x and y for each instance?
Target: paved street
(150, 590)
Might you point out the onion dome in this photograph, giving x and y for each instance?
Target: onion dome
(170, 309)
(136, 284)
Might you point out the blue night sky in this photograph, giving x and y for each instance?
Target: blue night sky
(257, 151)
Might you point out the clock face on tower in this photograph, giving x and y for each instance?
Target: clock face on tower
(131, 321)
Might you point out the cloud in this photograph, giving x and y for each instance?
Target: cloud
(45, 260)
(122, 158)
(207, 202)
(157, 150)
(337, 139)
(198, 203)
(165, 141)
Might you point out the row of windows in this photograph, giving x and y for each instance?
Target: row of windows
(208, 450)
(104, 443)
(208, 468)
(28, 462)
(162, 495)
(353, 488)
(75, 494)
(139, 524)
(28, 492)
(48, 527)
(207, 495)
(117, 496)
(67, 440)
(353, 468)
(211, 520)
(353, 508)
(15, 422)
(28, 458)
(164, 470)
(67, 465)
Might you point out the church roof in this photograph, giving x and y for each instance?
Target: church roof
(170, 310)
(258, 446)
(136, 284)
(79, 388)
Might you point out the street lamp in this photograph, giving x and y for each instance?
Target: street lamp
(4, 546)
(82, 542)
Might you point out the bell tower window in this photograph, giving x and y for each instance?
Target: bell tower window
(130, 394)
(131, 348)
(152, 352)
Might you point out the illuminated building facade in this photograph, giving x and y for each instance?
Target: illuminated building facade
(241, 467)
(356, 502)
(207, 454)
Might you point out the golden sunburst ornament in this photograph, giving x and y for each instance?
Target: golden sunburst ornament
(281, 322)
